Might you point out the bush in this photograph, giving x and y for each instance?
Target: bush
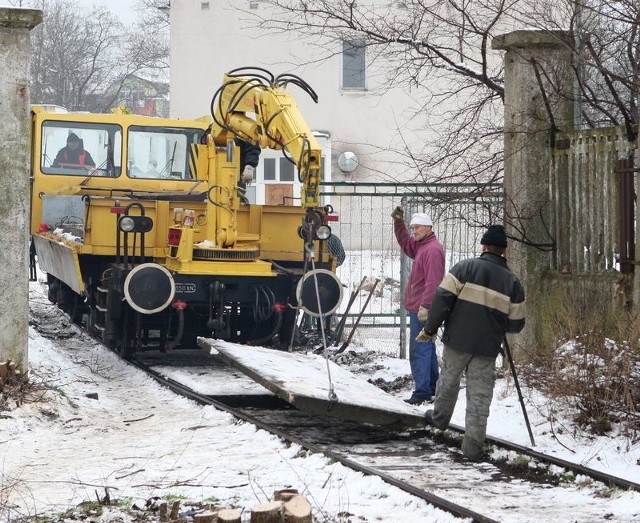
(594, 365)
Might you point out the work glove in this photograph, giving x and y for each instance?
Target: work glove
(247, 174)
(424, 336)
(398, 213)
(423, 314)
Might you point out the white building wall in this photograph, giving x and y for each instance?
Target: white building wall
(209, 38)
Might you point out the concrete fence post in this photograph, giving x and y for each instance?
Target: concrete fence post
(15, 25)
(533, 117)
(636, 272)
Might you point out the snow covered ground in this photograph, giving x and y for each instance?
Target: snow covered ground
(97, 425)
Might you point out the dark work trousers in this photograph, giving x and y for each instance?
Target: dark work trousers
(480, 381)
(423, 361)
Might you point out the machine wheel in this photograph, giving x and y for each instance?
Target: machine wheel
(69, 302)
(52, 288)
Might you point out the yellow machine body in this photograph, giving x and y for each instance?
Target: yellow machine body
(164, 191)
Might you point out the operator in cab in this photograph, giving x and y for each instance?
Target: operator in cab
(73, 155)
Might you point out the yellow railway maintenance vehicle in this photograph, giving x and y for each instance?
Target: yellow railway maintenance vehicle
(141, 230)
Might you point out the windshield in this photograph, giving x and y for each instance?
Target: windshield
(161, 152)
(76, 148)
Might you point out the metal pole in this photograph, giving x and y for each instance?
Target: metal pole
(404, 276)
(515, 380)
(340, 328)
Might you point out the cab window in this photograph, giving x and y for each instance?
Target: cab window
(81, 149)
(161, 152)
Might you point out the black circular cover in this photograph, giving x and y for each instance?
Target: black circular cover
(149, 288)
(329, 291)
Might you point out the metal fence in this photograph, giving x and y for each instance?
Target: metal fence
(460, 213)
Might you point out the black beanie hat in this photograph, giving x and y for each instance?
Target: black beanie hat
(495, 235)
(73, 137)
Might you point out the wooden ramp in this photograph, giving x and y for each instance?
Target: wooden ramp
(303, 381)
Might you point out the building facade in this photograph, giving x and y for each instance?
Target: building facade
(359, 115)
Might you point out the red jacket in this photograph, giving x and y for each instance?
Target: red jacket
(427, 270)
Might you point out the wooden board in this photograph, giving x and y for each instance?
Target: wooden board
(303, 381)
(278, 194)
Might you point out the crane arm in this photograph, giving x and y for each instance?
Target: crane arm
(255, 106)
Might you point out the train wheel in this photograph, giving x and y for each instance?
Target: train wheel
(77, 310)
(69, 302)
(52, 288)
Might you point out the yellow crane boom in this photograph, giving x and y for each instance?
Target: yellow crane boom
(255, 106)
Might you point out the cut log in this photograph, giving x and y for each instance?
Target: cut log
(230, 515)
(175, 510)
(272, 512)
(207, 516)
(298, 510)
(164, 511)
(285, 494)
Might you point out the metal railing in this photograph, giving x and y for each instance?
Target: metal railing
(460, 213)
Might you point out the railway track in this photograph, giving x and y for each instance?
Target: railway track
(516, 485)
(521, 485)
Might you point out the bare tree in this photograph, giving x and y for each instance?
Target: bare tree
(81, 59)
(144, 51)
(154, 13)
(442, 48)
(608, 54)
(72, 55)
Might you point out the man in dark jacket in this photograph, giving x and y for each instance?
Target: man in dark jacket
(479, 301)
(73, 155)
(334, 246)
(249, 159)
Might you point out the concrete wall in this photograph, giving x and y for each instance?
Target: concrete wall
(15, 25)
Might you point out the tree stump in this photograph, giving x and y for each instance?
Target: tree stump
(271, 512)
(206, 517)
(285, 494)
(297, 510)
(230, 515)
(164, 511)
(175, 510)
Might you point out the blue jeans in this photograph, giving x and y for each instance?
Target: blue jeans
(423, 361)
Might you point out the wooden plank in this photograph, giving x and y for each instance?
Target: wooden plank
(303, 381)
